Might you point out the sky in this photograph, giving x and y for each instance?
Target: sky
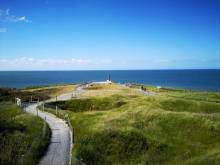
(109, 34)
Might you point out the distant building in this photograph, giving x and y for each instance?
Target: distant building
(101, 82)
(108, 81)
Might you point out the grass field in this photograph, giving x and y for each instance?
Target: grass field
(116, 125)
(23, 137)
(41, 93)
(51, 91)
(185, 94)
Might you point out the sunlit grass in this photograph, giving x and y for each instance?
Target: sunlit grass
(23, 137)
(52, 91)
(109, 90)
(160, 129)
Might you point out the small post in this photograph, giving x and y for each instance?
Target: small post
(56, 109)
(56, 98)
(43, 106)
(37, 105)
(31, 98)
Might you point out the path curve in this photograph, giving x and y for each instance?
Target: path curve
(59, 149)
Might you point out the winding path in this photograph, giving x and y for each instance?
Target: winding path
(59, 149)
(58, 152)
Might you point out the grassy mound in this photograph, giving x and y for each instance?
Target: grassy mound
(41, 93)
(90, 104)
(168, 128)
(181, 105)
(23, 137)
(173, 136)
(107, 147)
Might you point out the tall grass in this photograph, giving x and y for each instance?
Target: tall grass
(23, 137)
(145, 130)
(41, 93)
(90, 104)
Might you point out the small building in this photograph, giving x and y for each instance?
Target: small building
(101, 82)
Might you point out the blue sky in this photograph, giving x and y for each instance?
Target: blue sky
(109, 34)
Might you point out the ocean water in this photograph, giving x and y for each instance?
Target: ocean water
(208, 80)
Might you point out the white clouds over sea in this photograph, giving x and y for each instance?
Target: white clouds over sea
(26, 63)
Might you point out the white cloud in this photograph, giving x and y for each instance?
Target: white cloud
(39, 64)
(13, 18)
(3, 30)
(6, 16)
(27, 63)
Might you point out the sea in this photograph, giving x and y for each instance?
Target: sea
(196, 79)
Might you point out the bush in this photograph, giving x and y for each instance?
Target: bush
(109, 146)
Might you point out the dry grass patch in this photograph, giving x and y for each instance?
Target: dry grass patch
(52, 91)
(109, 90)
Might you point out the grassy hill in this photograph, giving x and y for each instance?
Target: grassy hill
(23, 137)
(117, 125)
(41, 93)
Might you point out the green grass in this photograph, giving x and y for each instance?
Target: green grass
(41, 93)
(182, 105)
(91, 104)
(8, 94)
(23, 137)
(173, 127)
(182, 93)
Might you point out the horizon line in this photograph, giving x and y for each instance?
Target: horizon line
(110, 70)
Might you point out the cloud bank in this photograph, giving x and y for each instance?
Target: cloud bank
(26, 63)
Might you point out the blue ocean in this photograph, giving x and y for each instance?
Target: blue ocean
(207, 80)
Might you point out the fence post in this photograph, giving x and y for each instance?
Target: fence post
(72, 130)
(43, 106)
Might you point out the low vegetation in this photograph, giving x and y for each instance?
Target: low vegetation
(90, 104)
(109, 90)
(172, 127)
(23, 137)
(182, 93)
(34, 93)
(51, 91)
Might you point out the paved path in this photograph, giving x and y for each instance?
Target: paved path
(58, 152)
(59, 149)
